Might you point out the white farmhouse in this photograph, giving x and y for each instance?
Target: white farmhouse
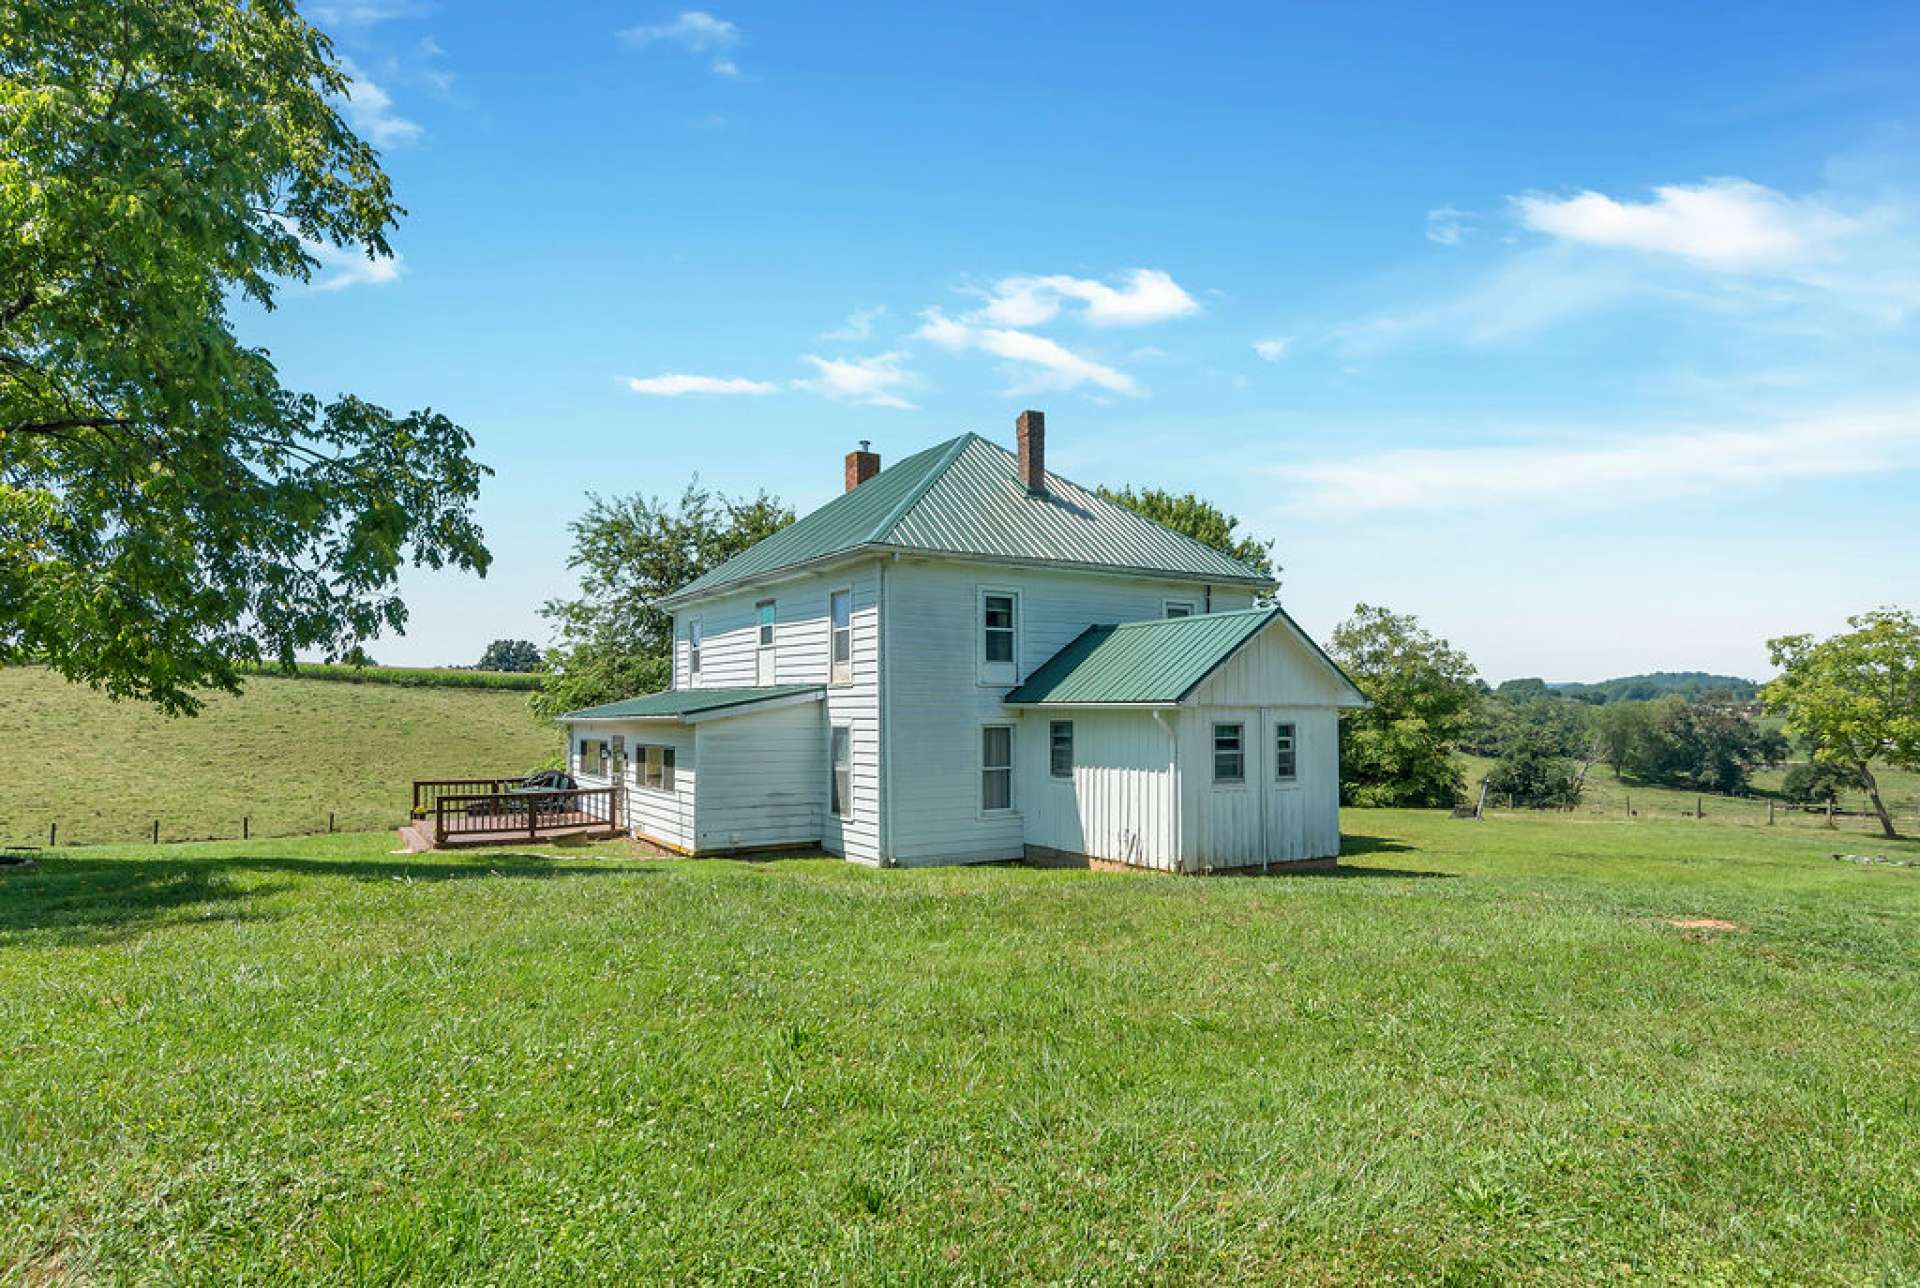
(965, 658)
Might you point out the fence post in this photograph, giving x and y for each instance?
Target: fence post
(1830, 822)
(246, 827)
(1629, 804)
(329, 822)
(53, 834)
(1769, 812)
(156, 831)
(1699, 807)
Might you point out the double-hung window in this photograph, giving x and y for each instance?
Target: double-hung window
(996, 767)
(840, 629)
(999, 637)
(840, 783)
(1060, 748)
(1285, 754)
(763, 613)
(657, 768)
(1229, 753)
(693, 653)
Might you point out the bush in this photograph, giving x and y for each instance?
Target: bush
(1819, 783)
(1530, 774)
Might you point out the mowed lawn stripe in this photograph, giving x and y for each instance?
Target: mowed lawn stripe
(1484, 1053)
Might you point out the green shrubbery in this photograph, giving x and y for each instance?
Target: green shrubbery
(418, 677)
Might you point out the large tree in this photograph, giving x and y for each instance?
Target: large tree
(1855, 697)
(510, 655)
(615, 641)
(1202, 520)
(169, 512)
(1399, 751)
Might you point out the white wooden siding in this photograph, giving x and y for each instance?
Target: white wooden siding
(1260, 820)
(765, 779)
(729, 659)
(667, 817)
(937, 704)
(1120, 803)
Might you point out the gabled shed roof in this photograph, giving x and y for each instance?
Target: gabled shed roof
(1153, 663)
(964, 497)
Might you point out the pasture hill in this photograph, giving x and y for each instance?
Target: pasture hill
(285, 753)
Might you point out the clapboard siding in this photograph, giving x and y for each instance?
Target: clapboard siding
(764, 779)
(662, 816)
(1120, 802)
(802, 641)
(937, 704)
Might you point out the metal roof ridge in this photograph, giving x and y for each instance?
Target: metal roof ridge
(918, 491)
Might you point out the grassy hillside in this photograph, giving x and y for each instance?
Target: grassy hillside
(285, 753)
(1488, 1054)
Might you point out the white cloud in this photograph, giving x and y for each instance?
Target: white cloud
(1146, 295)
(697, 33)
(339, 267)
(1622, 469)
(1044, 365)
(858, 326)
(877, 381)
(1724, 224)
(369, 13)
(675, 384)
(370, 110)
(1274, 348)
(1447, 226)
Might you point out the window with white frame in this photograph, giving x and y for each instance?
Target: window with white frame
(1285, 753)
(693, 651)
(593, 756)
(1060, 748)
(840, 782)
(763, 664)
(763, 618)
(1229, 753)
(1179, 608)
(996, 767)
(996, 627)
(840, 630)
(656, 766)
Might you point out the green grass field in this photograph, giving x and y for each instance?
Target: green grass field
(285, 753)
(1607, 795)
(1483, 1054)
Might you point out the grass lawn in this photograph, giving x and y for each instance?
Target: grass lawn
(1484, 1054)
(285, 753)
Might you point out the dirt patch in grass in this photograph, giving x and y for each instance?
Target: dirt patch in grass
(1703, 923)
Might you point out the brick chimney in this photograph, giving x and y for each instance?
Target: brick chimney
(1031, 429)
(861, 465)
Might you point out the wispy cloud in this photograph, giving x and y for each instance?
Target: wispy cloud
(678, 384)
(339, 267)
(369, 13)
(858, 326)
(370, 110)
(1145, 295)
(1273, 348)
(695, 31)
(1619, 469)
(1723, 224)
(1447, 226)
(877, 381)
(1041, 364)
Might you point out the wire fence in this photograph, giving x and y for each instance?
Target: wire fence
(83, 827)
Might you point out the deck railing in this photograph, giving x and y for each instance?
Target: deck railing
(427, 791)
(531, 814)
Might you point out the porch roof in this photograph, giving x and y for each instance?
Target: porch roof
(680, 704)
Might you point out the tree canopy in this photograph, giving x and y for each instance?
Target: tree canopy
(1854, 697)
(615, 642)
(1202, 520)
(1399, 751)
(510, 655)
(169, 512)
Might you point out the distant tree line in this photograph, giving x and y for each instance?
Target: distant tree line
(1637, 688)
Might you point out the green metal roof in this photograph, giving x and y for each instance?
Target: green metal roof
(675, 703)
(965, 497)
(1157, 661)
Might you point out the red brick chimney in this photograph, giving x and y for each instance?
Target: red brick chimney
(861, 465)
(1031, 429)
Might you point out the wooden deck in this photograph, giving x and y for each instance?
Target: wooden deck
(454, 813)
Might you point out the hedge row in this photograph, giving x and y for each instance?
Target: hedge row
(419, 677)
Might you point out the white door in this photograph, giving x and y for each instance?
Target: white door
(1283, 816)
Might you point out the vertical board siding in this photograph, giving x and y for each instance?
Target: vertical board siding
(1119, 804)
(938, 704)
(1261, 821)
(765, 779)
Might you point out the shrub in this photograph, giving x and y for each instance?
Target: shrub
(1819, 783)
(1532, 775)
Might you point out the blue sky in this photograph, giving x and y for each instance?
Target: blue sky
(1590, 338)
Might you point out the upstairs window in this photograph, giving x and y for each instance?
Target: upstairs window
(1060, 748)
(996, 767)
(1179, 608)
(763, 614)
(1285, 766)
(997, 628)
(1229, 753)
(693, 650)
(840, 620)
